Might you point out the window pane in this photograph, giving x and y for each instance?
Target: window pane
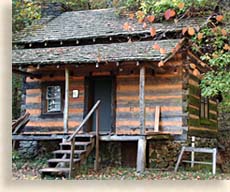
(53, 96)
(53, 105)
(53, 92)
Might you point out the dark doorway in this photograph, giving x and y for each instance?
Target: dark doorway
(101, 88)
(129, 154)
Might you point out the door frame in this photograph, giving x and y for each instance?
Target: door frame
(89, 97)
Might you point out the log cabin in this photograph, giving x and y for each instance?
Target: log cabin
(85, 76)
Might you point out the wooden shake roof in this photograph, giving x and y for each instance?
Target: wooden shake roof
(102, 23)
(115, 52)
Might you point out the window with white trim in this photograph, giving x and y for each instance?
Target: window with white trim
(53, 99)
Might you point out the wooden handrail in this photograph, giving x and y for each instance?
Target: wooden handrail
(84, 120)
(72, 137)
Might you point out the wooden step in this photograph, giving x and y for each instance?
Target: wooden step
(77, 143)
(68, 151)
(54, 170)
(62, 160)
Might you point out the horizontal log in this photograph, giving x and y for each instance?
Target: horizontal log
(194, 101)
(134, 112)
(209, 124)
(149, 117)
(152, 91)
(212, 116)
(194, 90)
(149, 80)
(194, 111)
(76, 110)
(34, 112)
(33, 106)
(194, 83)
(136, 123)
(165, 111)
(33, 95)
(213, 102)
(135, 87)
(33, 100)
(54, 123)
(33, 91)
(212, 107)
(202, 133)
(166, 75)
(192, 116)
(33, 85)
(202, 129)
(44, 131)
(200, 122)
(54, 117)
(213, 120)
(150, 103)
(127, 132)
(194, 107)
(150, 97)
(194, 78)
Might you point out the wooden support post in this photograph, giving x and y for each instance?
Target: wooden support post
(96, 166)
(193, 153)
(179, 159)
(141, 155)
(157, 119)
(214, 161)
(66, 106)
(142, 100)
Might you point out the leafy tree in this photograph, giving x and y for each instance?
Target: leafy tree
(211, 42)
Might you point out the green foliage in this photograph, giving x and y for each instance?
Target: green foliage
(158, 8)
(16, 95)
(214, 45)
(24, 12)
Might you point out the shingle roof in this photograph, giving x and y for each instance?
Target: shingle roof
(96, 23)
(92, 53)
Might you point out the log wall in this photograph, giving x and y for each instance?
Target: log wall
(164, 90)
(197, 125)
(42, 123)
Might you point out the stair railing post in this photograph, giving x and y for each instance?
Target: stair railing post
(96, 167)
(71, 157)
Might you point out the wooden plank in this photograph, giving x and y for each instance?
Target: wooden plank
(214, 161)
(198, 162)
(66, 106)
(142, 99)
(179, 159)
(36, 138)
(157, 119)
(120, 137)
(199, 149)
(71, 166)
(97, 141)
(141, 155)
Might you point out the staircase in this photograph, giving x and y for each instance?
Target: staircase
(60, 164)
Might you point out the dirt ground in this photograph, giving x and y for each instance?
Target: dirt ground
(30, 171)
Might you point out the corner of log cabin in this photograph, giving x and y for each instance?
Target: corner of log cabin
(196, 125)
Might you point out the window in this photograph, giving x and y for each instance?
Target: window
(204, 109)
(53, 99)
